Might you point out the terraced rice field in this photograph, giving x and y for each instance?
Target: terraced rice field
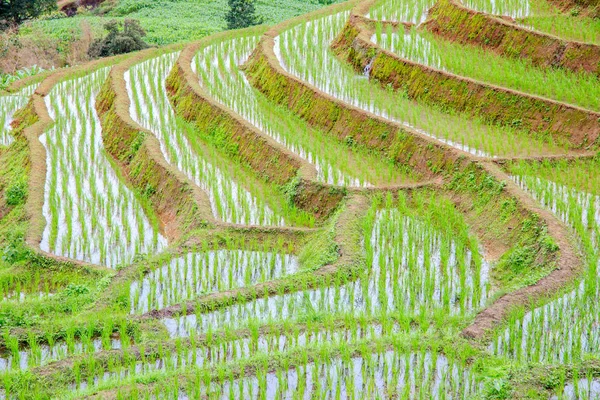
(350, 204)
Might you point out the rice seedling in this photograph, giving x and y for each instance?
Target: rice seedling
(9, 104)
(565, 25)
(414, 12)
(584, 388)
(566, 329)
(391, 373)
(303, 51)
(473, 62)
(543, 16)
(510, 8)
(202, 273)
(336, 164)
(229, 348)
(39, 354)
(150, 107)
(414, 269)
(90, 214)
(13, 288)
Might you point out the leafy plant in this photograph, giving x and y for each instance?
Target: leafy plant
(16, 193)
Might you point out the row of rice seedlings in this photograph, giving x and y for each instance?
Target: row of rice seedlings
(9, 104)
(18, 288)
(21, 293)
(474, 62)
(543, 16)
(229, 347)
(336, 164)
(566, 329)
(425, 264)
(386, 374)
(150, 107)
(304, 51)
(581, 388)
(509, 8)
(195, 274)
(90, 214)
(547, 18)
(413, 269)
(412, 11)
(37, 352)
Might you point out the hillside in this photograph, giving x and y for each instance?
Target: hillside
(374, 199)
(57, 40)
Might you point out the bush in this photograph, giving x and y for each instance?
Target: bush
(123, 37)
(242, 14)
(16, 11)
(16, 193)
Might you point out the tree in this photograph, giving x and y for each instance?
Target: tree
(13, 12)
(122, 37)
(242, 14)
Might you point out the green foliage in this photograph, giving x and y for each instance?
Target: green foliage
(475, 181)
(530, 259)
(518, 260)
(290, 189)
(73, 290)
(242, 14)
(15, 251)
(16, 193)
(165, 21)
(498, 389)
(148, 191)
(127, 7)
(53, 15)
(13, 12)
(7, 79)
(123, 37)
(220, 139)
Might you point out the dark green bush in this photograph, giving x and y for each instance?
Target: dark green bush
(123, 37)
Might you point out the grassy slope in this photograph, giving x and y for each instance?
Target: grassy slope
(165, 21)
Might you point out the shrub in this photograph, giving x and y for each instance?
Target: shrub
(123, 37)
(16, 193)
(16, 11)
(242, 14)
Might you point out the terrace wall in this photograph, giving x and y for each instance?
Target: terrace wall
(564, 122)
(269, 160)
(30, 124)
(469, 174)
(175, 200)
